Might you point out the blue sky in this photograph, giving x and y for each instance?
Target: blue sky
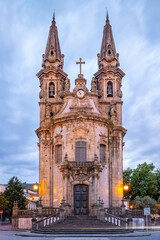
(24, 27)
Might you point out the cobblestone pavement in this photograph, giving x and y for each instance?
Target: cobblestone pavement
(13, 235)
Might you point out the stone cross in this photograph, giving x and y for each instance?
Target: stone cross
(80, 62)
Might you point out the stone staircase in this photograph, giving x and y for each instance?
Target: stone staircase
(83, 225)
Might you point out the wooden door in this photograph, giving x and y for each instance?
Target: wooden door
(81, 200)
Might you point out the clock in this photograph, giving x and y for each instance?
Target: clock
(80, 93)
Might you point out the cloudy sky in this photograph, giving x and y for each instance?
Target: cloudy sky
(24, 27)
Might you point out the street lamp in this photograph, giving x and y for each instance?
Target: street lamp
(31, 199)
(126, 187)
(35, 187)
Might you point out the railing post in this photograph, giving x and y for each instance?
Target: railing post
(102, 214)
(15, 215)
(34, 228)
(123, 207)
(61, 214)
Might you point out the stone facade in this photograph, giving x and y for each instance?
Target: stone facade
(80, 133)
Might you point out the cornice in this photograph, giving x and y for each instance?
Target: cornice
(45, 71)
(114, 70)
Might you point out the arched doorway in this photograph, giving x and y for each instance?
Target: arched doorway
(81, 200)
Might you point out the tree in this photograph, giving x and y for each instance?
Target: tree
(157, 173)
(145, 202)
(4, 205)
(143, 181)
(14, 192)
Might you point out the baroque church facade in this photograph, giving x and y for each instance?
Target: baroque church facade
(80, 133)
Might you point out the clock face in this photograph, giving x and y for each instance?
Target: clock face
(80, 93)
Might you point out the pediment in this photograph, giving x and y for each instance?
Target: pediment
(80, 130)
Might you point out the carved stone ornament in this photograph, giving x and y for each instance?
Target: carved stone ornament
(93, 85)
(41, 94)
(67, 85)
(80, 177)
(119, 93)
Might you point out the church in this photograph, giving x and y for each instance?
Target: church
(80, 132)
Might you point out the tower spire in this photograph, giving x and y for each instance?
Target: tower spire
(53, 50)
(107, 18)
(53, 21)
(108, 49)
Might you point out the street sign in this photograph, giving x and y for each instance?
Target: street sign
(1, 212)
(147, 211)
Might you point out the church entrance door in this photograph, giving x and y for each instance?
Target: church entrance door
(81, 200)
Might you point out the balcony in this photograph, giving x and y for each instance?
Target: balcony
(74, 164)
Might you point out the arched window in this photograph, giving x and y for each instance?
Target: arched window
(81, 151)
(51, 90)
(109, 89)
(102, 152)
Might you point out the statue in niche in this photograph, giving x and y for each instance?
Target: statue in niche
(112, 110)
(67, 85)
(48, 110)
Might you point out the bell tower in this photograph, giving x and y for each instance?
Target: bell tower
(108, 81)
(53, 79)
(109, 76)
(54, 84)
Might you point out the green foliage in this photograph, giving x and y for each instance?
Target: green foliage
(157, 173)
(14, 192)
(127, 176)
(4, 205)
(143, 181)
(141, 203)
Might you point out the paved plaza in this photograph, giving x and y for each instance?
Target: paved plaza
(21, 235)
(6, 233)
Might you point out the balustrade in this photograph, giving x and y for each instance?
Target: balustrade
(80, 164)
(116, 220)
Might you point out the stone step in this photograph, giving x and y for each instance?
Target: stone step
(82, 225)
(83, 231)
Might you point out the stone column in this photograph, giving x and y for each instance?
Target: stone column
(95, 185)
(66, 185)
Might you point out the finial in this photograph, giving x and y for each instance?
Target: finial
(53, 21)
(107, 18)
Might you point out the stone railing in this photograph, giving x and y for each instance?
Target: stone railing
(117, 221)
(47, 211)
(27, 213)
(36, 225)
(134, 213)
(117, 211)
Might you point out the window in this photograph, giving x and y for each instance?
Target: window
(102, 152)
(109, 52)
(59, 153)
(109, 89)
(81, 151)
(51, 90)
